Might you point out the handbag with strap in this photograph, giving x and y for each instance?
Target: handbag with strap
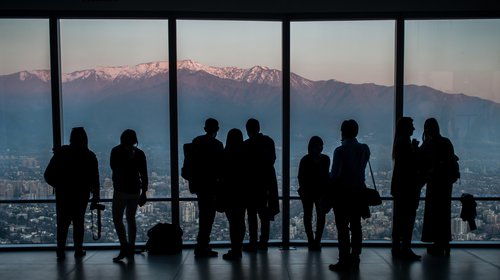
(372, 196)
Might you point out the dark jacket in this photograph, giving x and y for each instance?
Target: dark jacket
(313, 176)
(130, 172)
(73, 172)
(260, 176)
(406, 179)
(232, 192)
(437, 154)
(206, 155)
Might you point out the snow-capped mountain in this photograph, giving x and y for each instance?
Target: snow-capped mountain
(255, 74)
(139, 94)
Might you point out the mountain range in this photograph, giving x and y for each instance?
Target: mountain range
(108, 99)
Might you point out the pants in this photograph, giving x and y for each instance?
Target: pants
(206, 216)
(124, 202)
(69, 209)
(404, 213)
(348, 221)
(308, 204)
(265, 224)
(236, 218)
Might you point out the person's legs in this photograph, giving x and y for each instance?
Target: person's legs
(206, 210)
(307, 205)
(236, 218)
(78, 213)
(356, 236)
(265, 226)
(63, 221)
(342, 224)
(132, 203)
(118, 208)
(252, 227)
(396, 227)
(320, 222)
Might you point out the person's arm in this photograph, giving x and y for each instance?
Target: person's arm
(143, 172)
(301, 174)
(96, 185)
(325, 165)
(336, 166)
(113, 161)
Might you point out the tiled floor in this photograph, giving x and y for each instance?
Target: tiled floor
(376, 263)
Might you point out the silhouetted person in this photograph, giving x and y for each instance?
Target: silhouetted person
(437, 153)
(130, 184)
(405, 189)
(262, 197)
(232, 193)
(313, 180)
(207, 152)
(74, 173)
(348, 176)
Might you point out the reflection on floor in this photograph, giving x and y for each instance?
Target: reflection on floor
(376, 263)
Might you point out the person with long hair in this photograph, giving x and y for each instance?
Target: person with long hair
(438, 155)
(313, 180)
(405, 189)
(232, 193)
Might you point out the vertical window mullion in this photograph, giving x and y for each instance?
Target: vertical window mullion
(55, 73)
(399, 69)
(286, 132)
(174, 132)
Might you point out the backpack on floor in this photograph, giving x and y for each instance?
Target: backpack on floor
(164, 238)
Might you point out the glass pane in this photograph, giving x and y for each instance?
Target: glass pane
(452, 73)
(377, 227)
(343, 70)
(25, 108)
(146, 217)
(28, 223)
(487, 222)
(36, 223)
(189, 223)
(220, 230)
(116, 77)
(230, 71)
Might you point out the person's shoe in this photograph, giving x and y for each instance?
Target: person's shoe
(315, 246)
(435, 251)
(409, 255)
(232, 256)
(61, 255)
(447, 251)
(250, 248)
(130, 252)
(396, 253)
(341, 266)
(80, 253)
(262, 246)
(205, 254)
(121, 256)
